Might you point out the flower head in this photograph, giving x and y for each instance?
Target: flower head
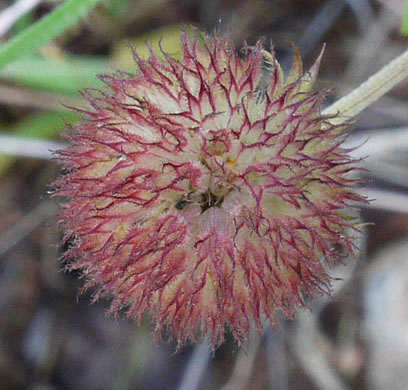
(208, 191)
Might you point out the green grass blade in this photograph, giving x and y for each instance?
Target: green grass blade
(66, 76)
(404, 25)
(45, 30)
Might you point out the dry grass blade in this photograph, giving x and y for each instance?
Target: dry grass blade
(26, 147)
(387, 200)
(308, 345)
(244, 365)
(17, 96)
(196, 367)
(26, 225)
(11, 14)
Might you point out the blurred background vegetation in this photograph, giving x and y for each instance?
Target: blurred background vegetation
(52, 338)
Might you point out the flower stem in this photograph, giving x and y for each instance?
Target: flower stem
(371, 90)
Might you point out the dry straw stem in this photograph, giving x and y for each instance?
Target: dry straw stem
(12, 14)
(371, 90)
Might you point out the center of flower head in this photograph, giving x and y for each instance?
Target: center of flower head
(219, 181)
(204, 200)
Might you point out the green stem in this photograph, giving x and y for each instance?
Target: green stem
(45, 30)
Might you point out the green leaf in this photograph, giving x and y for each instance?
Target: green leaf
(43, 125)
(404, 24)
(66, 76)
(73, 73)
(45, 30)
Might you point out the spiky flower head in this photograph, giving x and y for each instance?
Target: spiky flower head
(208, 191)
